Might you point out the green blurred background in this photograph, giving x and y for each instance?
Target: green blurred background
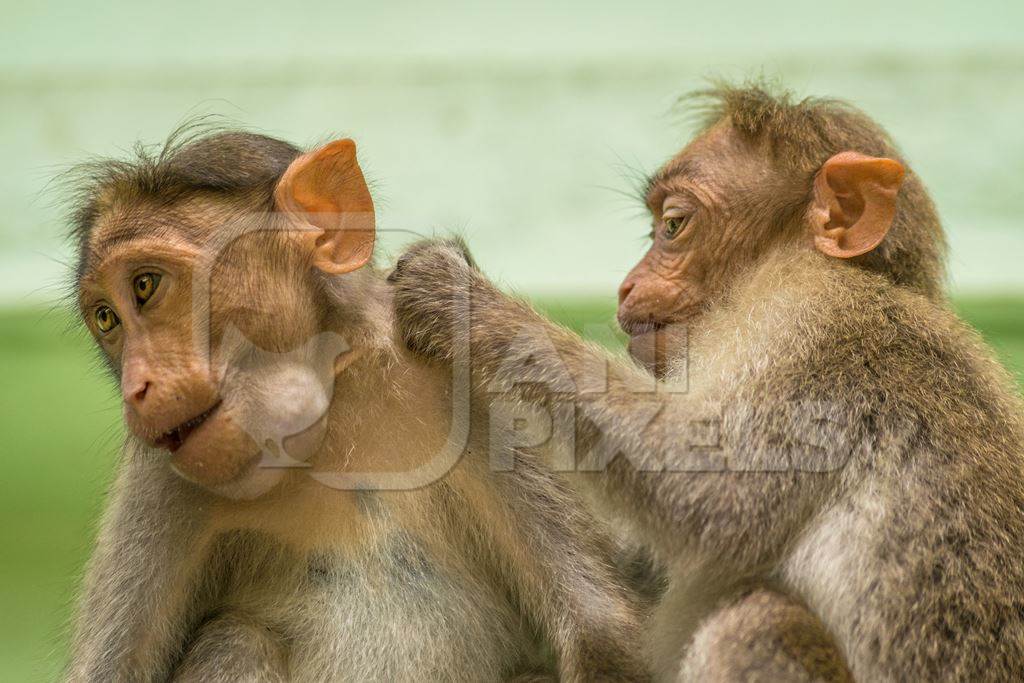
(524, 127)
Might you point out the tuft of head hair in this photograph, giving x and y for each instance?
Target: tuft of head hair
(801, 134)
(198, 157)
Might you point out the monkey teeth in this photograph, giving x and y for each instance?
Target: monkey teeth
(174, 439)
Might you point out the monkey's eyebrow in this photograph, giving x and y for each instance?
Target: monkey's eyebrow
(665, 184)
(116, 237)
(113, 239)
(667, 178)
(100, 244)
(684, 168)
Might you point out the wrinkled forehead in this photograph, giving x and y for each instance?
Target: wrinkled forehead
(708, 166)
(190, 226)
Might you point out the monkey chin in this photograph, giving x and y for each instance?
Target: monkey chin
(216, 453)
(227, 461)
(659, 350)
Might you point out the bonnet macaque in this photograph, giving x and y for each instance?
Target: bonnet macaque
(832, 465)
(299, 498)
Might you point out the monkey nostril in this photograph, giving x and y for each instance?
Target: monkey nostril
(139, 394)
(624, 291)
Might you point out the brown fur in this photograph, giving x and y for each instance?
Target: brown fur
(844, 438)
(799, 136)
(765, 637)
(269, 574)
(233, 647)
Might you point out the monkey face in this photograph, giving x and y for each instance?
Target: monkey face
(195, 347)
(211, 322)
(695, 232)
(722, 203)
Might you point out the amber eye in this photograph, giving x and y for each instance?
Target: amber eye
(675, 225)
(106, 319)
(144, 285)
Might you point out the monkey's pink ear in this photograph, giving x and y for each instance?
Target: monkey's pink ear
(325, 191)
(854, 203)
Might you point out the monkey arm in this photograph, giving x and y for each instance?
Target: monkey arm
(233, 646)
(140, 588)
(556, 560)
(697, 470)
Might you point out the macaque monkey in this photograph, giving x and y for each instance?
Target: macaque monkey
(832, 464)
(299, 498)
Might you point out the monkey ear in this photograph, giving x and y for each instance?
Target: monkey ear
(325, 190)
(854, 203)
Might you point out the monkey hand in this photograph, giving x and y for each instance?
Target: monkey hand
(433, 282)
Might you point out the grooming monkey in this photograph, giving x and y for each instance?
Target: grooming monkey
(833, 472)
(228, 284)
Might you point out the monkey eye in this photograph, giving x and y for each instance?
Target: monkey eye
(144, 286)
(106, 319)
(674, 225)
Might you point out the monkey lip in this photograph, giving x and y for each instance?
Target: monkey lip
(636, 328)
(654, 343)
(173, 439)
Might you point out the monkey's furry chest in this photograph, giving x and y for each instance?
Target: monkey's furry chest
(392, 610)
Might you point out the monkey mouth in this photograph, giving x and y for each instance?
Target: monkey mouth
(173, 439)
(654, 344)
(636, 328)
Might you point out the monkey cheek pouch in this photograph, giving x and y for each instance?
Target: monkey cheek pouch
(216, 453)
